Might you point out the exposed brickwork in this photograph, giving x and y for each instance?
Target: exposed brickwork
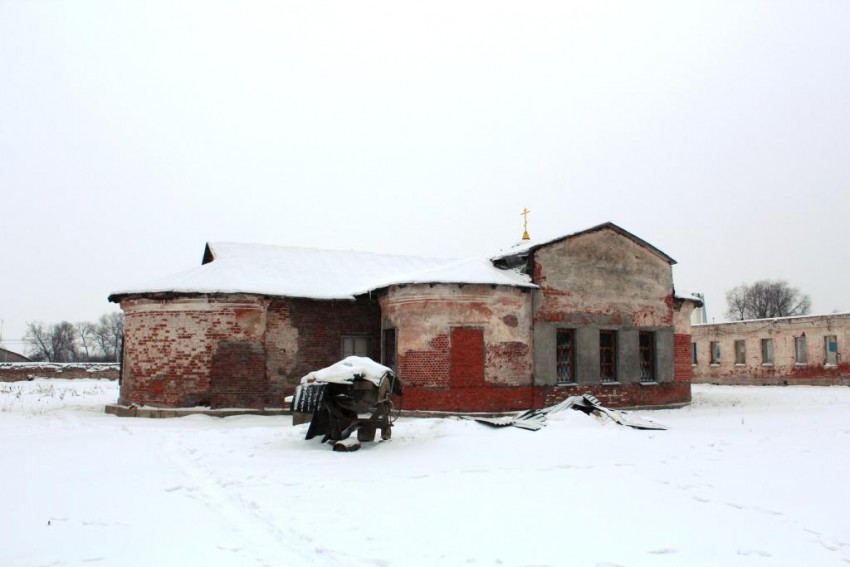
(624, 395)
(238, 375)
(281, 342)
(501, 399)
(425, 317)
(783, 334)
(169, 345)
(469, 399)
(682, 357)
(459, 347)
(466, 368)
(428, 368)
(21, 371)
(321, 326)
(603, 278)
(510, 361)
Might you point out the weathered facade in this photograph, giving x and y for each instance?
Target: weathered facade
(593, 311)
(786, 350)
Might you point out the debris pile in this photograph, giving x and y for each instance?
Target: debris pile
(353, 395)
(534, 420)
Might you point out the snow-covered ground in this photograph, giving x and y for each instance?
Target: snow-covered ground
(744, 476)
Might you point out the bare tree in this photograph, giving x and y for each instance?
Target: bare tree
(54, 343)
(39, 345)
(86, 336)
(766, 299)
(64, 340)
(109, 334)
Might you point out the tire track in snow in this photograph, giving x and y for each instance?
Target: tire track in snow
(267, 543)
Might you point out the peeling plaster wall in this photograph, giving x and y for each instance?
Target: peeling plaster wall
(603, 280)
(424, 316)
(785, 368)
(170, 344)
(281, 342)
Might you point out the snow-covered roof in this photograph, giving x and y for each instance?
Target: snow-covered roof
(232, 267)
(526, 247)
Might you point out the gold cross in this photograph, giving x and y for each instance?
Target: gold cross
(524, 215)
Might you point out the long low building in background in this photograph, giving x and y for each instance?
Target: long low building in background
(788, 350)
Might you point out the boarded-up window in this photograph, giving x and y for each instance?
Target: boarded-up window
(646, 342)
(355, 345)
(608, 356)
(466, 362)
(566, 356)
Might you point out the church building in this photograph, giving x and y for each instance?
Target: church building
(593, 311)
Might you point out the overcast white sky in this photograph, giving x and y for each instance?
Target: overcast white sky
(132, 132)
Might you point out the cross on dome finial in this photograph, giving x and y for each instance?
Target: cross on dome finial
(524, 215)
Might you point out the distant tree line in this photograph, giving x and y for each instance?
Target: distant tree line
(766, 299)
(76, 342)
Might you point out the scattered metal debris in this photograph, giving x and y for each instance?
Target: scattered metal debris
(534, 420)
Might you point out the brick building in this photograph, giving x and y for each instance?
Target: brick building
(590, 311)
(786, 350)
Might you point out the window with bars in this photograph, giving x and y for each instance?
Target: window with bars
(646, 343)
(740, 352)
(565, 350)
(608, 356)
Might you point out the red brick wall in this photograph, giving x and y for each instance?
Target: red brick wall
(169, 345)
(238, 375)
(624, 395)
(20, 371)
(281, 343)
(467, 358)
(321, 326)
(482, 332)
(683, 370)
(428, 368)
(501, 399)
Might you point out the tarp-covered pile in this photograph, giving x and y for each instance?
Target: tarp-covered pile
(352, 395)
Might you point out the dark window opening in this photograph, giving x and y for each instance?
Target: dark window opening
(740, 352)
(388, 350)
(355, 345)
(608, 356)
(566, 356)
(714, 352)
(647, 356)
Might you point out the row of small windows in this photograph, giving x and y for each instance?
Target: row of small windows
(801, 352)
(565, 356)
(565, 353)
